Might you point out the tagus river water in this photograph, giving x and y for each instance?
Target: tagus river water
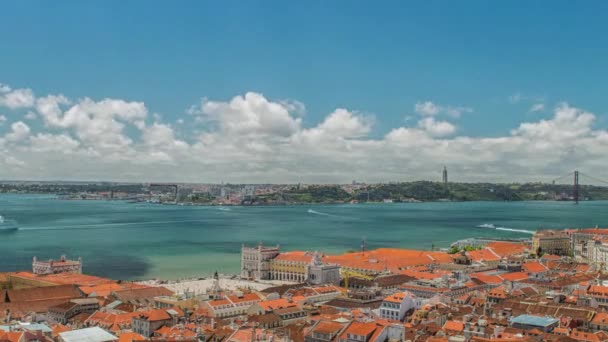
(135, 241)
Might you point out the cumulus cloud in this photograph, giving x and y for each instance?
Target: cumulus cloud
(436, 128)
(18, 98)
(95, 123)
(2, 119)
(252, 114)
(253, 138)
(342, 124)
(19, 131)
(61, 143)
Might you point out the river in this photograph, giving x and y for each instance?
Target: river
(139, 240)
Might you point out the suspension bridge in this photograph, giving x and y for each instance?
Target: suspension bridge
(574, 178)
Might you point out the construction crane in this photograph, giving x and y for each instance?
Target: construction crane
(348, 274)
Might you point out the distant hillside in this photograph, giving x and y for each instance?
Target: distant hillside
(293, 194)
(310, 194)
(434, 191)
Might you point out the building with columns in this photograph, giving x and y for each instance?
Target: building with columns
(291, 266)
(268, 263)
(255, 261)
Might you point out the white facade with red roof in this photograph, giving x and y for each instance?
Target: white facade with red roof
(57, 266)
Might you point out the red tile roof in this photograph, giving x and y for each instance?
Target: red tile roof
(598, 290)
(396, 298)
(359, 329)
(66, 292)
(505, 248)
(482, 255)
(269, 305)
(600, 318)
(59, 328)
(325, 327)
(498, 292)
(596, 231)
(453, 326)
(534, 267)
(155, 315)
(130, 337)
(514, 276)
(487, 278)
(65, 278)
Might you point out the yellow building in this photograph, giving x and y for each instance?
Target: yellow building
(551, 242)
(291, 266)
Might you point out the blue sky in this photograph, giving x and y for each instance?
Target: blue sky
(379, 59)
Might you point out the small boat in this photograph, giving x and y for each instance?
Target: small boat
(7, 225)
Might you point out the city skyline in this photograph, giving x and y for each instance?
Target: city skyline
(283, 93)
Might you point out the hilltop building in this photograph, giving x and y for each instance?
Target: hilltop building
(57, 266)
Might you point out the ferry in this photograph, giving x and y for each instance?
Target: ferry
(7, 225)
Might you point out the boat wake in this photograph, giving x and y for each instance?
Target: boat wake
(491, 226)
(224, 209)
(310, 211)
(515, 230)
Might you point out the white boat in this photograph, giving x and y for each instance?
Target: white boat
(7, 225)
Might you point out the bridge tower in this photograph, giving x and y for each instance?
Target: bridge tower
(575, 192)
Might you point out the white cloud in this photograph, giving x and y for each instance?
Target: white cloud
(537, 107)
(19, 131)
(252, 138)
(342, 124)
(251, 114)
(96, 123)
(18, 98)
(436, 128)
(429, 108)
(2, 119)
(568, 123)
(44, 142)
